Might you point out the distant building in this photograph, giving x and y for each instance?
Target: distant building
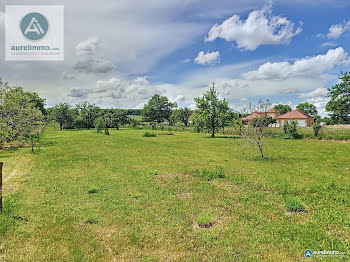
(274, 113)
(304, 120)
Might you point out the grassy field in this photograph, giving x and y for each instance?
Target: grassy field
(183, 197)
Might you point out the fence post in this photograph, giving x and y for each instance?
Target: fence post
(1, 164)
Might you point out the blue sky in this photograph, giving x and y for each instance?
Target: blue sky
(288, 52)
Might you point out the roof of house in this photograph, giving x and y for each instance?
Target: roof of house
(253, 115)
(295, 114)
(273, 110)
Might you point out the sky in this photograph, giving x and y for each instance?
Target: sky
(119, 53)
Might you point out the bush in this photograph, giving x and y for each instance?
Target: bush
(294, 205)
(99, 124)
(206, 174)
(149, 134)
(317, 128)
(290, 129)
(204, 219)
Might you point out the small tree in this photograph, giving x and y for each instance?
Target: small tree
(308, 108)
(210, 111)
(119, 118)
(317, 128)
(62, 114)
(255, 131)
(20, 118)
(99, 124)
(158, 109)
(290, 129)
(283, 108)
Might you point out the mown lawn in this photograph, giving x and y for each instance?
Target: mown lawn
(89, 197)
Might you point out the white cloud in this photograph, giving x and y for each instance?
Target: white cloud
(329, 44)
(335, 31)
(308, 66)
(187, 60)
(88, 62)
(207, 58)
(260, 28)
(315, 93)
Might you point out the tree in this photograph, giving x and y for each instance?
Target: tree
(88, 112)
(119, 117)
(317, 127)
(308, 108)
(210, 111)
(20, 118)
(283, 108)
(290, 129)
(181, 114)
(99, 124)
(339, 103)
(158, 109)
(254, 132)
(62, 114)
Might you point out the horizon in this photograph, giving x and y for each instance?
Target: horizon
(251, 50)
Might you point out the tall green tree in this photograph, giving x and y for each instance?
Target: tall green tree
(20, 118)
(119, 117)
(211, 111)
(339, 103)
(62, 114)
(158, 109)
(88, 112)
(181, 115)
(308, 108)
(283, 108)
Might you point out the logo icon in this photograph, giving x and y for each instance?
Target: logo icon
(308, 253)
(34, 26)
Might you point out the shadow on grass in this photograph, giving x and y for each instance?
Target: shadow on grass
(232, 137)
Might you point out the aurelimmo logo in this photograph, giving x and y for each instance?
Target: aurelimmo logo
(34, 26)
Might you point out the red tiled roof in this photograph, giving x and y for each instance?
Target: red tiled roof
(273, 110)
(295, 114)
(253, 115)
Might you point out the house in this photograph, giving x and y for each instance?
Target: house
(303, 119)
(274, 113)
(253, 115)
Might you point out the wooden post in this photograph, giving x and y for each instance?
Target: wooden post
(1, 164)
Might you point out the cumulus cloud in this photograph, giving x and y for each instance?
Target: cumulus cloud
(315, 93)
(207, 58)
(260, 28)
(88, 62)
(116, 91)
(335, 31)
(67, 76)
(309, 66)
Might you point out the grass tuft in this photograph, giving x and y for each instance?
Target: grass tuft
(149, 134)
(92, 190)
(204, 220)
(294, 205)
(207, 174)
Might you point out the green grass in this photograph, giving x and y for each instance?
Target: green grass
(90, 197)
(149, 134)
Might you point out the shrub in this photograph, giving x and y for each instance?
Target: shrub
(99, 124)
(294, 205)
(149, 134)
(290, 129)
(206, 174)
(92, 190)
(204, 219)
(317, 128)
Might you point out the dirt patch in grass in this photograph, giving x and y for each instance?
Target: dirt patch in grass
(184, 195)
(172, 175)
